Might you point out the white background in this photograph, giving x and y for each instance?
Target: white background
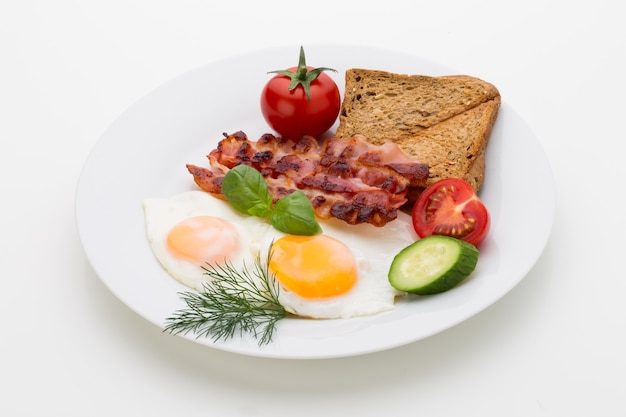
(553, 346)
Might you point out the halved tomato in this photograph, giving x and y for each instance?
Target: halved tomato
(450, 207)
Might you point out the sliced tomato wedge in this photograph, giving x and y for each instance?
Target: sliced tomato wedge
(450, 207)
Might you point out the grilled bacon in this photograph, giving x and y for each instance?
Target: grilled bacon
(349, 179)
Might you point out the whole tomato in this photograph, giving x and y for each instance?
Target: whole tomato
(300, 101)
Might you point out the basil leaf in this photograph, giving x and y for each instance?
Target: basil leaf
(246, 190)
(294, 214)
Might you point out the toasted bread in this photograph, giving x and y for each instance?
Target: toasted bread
(443, 121)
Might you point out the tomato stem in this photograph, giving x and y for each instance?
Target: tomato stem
(302, 75)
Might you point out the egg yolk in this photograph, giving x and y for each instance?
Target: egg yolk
(203, 239)
(313, 266)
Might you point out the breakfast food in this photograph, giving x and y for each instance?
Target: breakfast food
(432, 265)
(246, 190)
(443, 121)
(399, 136)
(189, 229)
(351, 179)
(300, 101)
(452, 208)
(335, 274)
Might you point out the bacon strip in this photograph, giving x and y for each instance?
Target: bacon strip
(349, 179)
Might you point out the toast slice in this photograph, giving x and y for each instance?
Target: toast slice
(443, 121)
(455, 147)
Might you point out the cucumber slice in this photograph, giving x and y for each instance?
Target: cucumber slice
(432, 265)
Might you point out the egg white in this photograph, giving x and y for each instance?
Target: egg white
(373, 249)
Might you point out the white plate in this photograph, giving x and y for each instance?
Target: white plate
(144, 152)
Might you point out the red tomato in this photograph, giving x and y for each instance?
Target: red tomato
(451, 207)
(300, 101)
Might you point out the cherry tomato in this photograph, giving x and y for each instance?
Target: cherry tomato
(451, 207)
(300, 101)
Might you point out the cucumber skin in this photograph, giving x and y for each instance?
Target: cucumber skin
(465, 265)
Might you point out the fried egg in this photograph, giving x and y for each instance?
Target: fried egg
(191, 229)
(340, 273)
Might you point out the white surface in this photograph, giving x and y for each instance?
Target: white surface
(553, 346)
(181, 122)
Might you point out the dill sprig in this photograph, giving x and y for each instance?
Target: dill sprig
(233, 302)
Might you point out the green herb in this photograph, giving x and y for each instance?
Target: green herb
(246, 190)
(233, 302)
(294, 214)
